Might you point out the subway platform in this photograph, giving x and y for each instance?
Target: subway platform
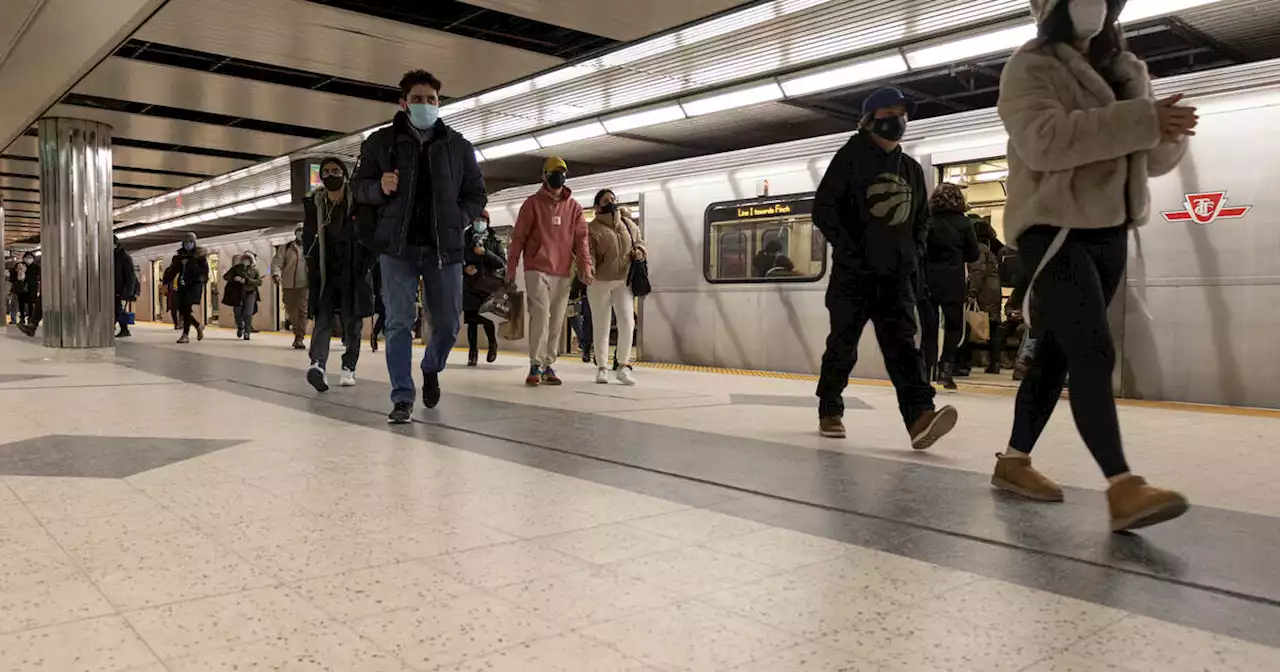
(201, 508)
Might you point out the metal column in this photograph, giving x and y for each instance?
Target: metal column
(77, 278)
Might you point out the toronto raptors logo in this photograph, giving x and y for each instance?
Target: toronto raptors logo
(1206, 208)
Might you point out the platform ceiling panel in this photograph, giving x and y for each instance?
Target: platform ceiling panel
(1251, 27)
(153, 159)
(316, 38)
(140, 81)
(31, 167)
(185, 133)
(618, 20)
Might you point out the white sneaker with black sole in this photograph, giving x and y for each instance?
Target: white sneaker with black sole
(317, 377)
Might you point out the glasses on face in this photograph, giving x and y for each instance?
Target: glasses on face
(333, 172)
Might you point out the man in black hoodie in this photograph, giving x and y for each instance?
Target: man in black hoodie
(127, 286)
(423, 182)
(872, 207)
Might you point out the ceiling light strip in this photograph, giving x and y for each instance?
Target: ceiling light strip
(272, 201)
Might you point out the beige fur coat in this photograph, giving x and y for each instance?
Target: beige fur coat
(1073, 147)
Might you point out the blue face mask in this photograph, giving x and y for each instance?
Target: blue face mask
(479, 225)
(423, 115)
(188, 245)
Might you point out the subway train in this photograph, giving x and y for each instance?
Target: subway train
(1195, 322)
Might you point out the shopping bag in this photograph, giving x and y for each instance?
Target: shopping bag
(497, 308)
(513, 328)
(978, 322)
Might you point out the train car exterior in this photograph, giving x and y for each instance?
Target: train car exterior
(1196, 322)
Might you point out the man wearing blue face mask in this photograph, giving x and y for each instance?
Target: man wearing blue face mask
(422, 182)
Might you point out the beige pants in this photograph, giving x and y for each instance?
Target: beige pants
(295, 307)
(548, 298)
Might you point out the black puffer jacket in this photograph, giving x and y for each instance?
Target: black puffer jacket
(126, 276)
(321, 240)
(457, 191)
(192, 271)
(952, 244)
(492, 262)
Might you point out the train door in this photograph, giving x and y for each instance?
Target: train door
(159, 297)
(212, 296)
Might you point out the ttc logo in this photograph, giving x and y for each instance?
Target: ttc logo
(1206, 208)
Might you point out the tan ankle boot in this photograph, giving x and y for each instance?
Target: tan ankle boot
(1135, 504)
(1016, 475)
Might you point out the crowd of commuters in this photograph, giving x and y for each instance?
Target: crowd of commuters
(1085, 135)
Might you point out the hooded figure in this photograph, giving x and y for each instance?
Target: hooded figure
(127, 287)
(189, 273)
(243, 281)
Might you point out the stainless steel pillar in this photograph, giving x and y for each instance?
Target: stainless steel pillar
(77, 278)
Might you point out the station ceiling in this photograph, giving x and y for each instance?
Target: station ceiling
(204, 87)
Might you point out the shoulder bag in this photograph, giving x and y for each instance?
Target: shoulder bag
(638, 272)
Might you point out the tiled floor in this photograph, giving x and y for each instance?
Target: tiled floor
(277, 537)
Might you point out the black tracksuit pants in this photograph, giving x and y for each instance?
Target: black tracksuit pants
(953, 330)
(1069, 314)
(888, 302)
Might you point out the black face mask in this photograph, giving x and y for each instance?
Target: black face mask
(333, 182)
(890, 128)
(556, 180)
(608, 208)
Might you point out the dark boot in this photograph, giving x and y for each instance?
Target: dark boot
(473, 358)
(945, 375)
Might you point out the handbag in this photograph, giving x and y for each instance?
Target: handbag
(513, 328)
(489, 284)
(978, 322)
(129, 316)
(498, 307)
(638, 273)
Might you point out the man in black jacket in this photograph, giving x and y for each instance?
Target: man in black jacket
(127, 287)
(871, 206)
(423, 179)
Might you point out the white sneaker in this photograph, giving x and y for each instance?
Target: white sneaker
(348, 378)
(602, 377)
(625, 377)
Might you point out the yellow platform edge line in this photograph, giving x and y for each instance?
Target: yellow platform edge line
(992, 390)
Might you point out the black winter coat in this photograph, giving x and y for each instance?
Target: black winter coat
(492, 262)
(457, 191)
(952, 244)
(318, 239)
(126, 277)
(192, 272)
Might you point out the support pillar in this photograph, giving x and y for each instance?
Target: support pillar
(77, 269)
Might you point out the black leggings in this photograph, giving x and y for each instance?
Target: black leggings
(953, 325)
(188, 318)
(1069, 314)
(473, 333)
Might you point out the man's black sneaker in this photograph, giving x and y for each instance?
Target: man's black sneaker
(402, 414)
(316, 376)
(430, 389)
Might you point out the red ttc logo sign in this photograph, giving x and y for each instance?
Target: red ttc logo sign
(1206, 208)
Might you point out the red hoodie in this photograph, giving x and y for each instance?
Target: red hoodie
(550, 232)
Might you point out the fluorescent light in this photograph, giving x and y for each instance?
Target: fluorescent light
(1138, 10)
(968, 47)
(561, 136)
(719, 102)
(206, 217)
(446, 110)
(562, 75)
(521, 146)
(505, 92)
(225, 212)
(242, 208)
(479, 157)
(991, 176)
(649, 117)
(282, 199)
(854, 73)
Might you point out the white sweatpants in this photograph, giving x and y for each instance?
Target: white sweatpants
(613, 296)
(548, 297)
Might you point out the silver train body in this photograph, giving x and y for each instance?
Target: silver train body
(1197, 320)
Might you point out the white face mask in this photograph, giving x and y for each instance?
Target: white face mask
(1088, 17)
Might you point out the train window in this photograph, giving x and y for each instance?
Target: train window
(769, 239)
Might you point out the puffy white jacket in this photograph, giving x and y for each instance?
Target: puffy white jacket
(1073, 147)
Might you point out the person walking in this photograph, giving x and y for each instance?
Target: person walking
(1085, 135)
(872, 207)
(241, 294)
(985, 292)
(550, 232)
(951, 244)
(289, 273)
(486, 265)
(340, 269)
(422, 180)
(126, 286)
(615, 242)
(189, 271)
(29, 296)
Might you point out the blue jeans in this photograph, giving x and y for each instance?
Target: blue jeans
(442, 290)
